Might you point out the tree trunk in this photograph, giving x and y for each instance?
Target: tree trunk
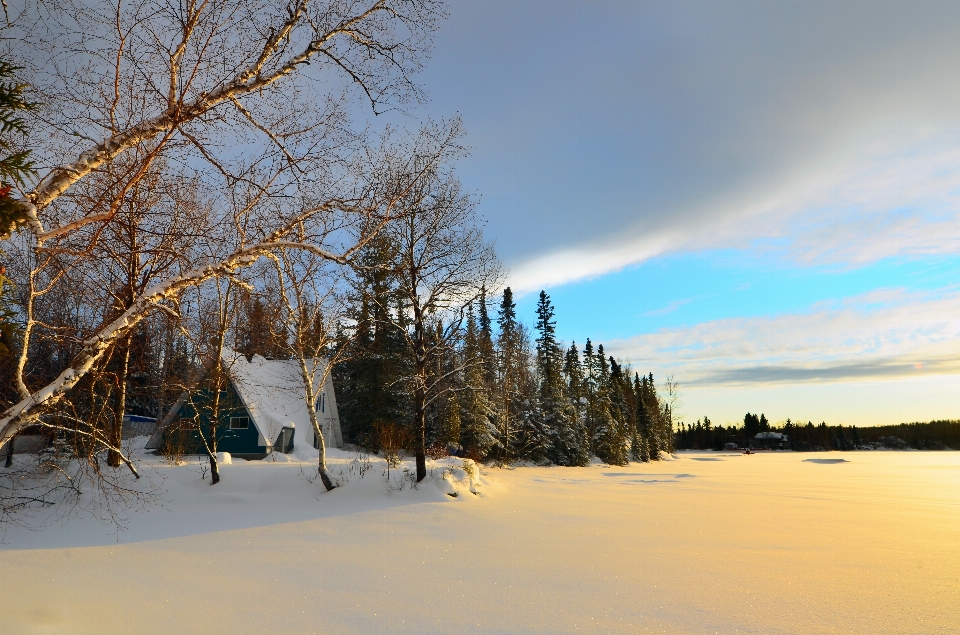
(9, 461)
(211, 445)
(115, 437)
(421, 451)
(214, 470)
(310, 398)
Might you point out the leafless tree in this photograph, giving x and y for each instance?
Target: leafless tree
(441, 262)
(311, 309)
(249, 99)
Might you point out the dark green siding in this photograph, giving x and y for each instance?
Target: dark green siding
(232, 441)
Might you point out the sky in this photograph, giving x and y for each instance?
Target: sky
(757, 198)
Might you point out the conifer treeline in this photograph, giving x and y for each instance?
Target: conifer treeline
(934, 435)
(504, 397)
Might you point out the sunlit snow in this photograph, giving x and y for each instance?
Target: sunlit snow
(766, 543)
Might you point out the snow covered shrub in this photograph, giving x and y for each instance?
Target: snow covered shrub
(470, 467)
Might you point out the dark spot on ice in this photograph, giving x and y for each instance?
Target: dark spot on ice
(705, 458)
(667, 478)
(825, 461)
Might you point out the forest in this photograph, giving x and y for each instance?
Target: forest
(807, 437)
(206, 178)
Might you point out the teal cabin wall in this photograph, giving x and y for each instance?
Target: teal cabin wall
(235, 441)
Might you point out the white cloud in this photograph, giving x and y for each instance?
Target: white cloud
(885, 334)
(877, 203)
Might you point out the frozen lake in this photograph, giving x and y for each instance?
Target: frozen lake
(705, 543)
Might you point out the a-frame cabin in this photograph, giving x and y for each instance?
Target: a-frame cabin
(262, 410)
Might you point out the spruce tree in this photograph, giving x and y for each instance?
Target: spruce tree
(15, 163)
(520, 433)
(640, 441)
(656, 434)
(485, 340)
(375, 358)
(611, 436)
(608, 438)
(558, 415)
(477, 413)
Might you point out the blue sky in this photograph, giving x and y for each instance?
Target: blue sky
(759, 198)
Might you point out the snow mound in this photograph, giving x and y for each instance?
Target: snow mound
(458, 477)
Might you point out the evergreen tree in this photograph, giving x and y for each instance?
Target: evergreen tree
(573, 373)
(15, 168)
(566, 440)
(607, 433)
(485, 341)
(258, 330)
(660, 426)
(373, 361)
(15, 163)
(619, 435)
(477, 414)
(520, 434)
(640, 442)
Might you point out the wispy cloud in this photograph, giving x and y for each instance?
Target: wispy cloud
(884, 201)
(670, 308)
(889, 333)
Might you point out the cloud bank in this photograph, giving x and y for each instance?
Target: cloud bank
(889, 203)
(886, 334)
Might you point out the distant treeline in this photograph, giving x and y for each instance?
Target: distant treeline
(934, 435)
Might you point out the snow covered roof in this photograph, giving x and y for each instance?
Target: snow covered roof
(272, 391)
(769, 435)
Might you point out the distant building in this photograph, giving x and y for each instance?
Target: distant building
(731, 446)
(771, 440)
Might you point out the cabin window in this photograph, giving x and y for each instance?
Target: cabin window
(239, 423)
(321, 405)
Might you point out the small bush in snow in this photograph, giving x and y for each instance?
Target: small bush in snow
(436, 451)
(392, 439)
(470, 467)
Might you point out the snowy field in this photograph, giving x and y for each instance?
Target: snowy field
(705, 543)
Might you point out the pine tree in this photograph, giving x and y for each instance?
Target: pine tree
(520, 434)
(660, 429)
(16, 166)
(640, 441)
(611, 436)
(258, 330)
(477, 413)
(485, 341)
(566, 442)
(374, 360)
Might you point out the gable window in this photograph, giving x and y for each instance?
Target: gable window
(321, 402)
(239, 423)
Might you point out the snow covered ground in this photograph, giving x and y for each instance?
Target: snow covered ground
(705, 543)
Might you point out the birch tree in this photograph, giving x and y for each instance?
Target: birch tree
(306, 289)
(250, 99)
